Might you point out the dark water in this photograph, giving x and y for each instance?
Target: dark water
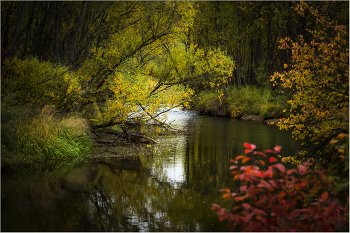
(170, 190)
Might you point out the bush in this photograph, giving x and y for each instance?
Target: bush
(39, 83)
(208, 102)
(45, 136)
(248, 100)
(274, 200)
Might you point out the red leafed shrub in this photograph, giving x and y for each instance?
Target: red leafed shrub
(273, 200)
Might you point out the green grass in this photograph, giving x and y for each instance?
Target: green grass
(47, 137)
(248, 100)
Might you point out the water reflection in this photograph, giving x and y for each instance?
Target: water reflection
(170, 190)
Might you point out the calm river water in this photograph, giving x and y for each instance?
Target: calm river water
(172, 189)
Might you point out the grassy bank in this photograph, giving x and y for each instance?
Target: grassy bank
(241, 102)
(41, 137)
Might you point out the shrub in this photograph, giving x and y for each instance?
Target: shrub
(273, 200)
(40, 83)
(47, 137)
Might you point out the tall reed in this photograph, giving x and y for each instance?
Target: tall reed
(49, 137)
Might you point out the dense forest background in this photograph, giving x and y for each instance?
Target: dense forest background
(113, 62)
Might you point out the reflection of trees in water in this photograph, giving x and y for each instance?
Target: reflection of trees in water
(103, 197)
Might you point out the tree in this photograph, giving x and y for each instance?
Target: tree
(318, 77)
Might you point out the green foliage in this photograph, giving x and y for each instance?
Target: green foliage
(48, 137)
(10, 115)
(242, 101)
(39, 83)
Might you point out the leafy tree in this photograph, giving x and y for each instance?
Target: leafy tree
(318, 77)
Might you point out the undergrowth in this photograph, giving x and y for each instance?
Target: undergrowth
(48, 137)
(242, 101)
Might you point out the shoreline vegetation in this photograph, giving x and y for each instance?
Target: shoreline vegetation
(246, 103)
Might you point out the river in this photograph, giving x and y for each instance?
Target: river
(172, 189)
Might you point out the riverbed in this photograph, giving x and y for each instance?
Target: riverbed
(170, 189)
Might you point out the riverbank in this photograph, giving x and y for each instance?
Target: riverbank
(245, 103)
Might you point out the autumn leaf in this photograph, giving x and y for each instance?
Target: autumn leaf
(324, 196)
(302, 169)
(270, 151)
(246, 206)
(281, 167)
(225, 190)
(246, 159)
(260, 153)
(272, 159)
(261, 162)
(277, 148)
(241, 157)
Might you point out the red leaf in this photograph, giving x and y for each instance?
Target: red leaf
(281, 167)
(231, 217)
(277, 148)
(215, 206)
(272, 159)
(221, 211)
(243, 188)
(270, 151)
(246, 151)
(236, 207)
(246, 206)
(233, 167)
(260, 153)
(247, 145)
(302, 169)
(291, 171)
(248, 217)
(223, 217)
(239, 198)
(225, 190)
(324, 195)
(273, 183)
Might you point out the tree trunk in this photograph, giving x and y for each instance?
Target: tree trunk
(77, 32)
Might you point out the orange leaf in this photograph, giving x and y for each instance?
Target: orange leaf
(236, 207)
(262, 162)
(225, 195)
(260, 153)
(225, 190)
(241, 157)
(324, 195)
(236, 177)
(246, 159)
(246, 151)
